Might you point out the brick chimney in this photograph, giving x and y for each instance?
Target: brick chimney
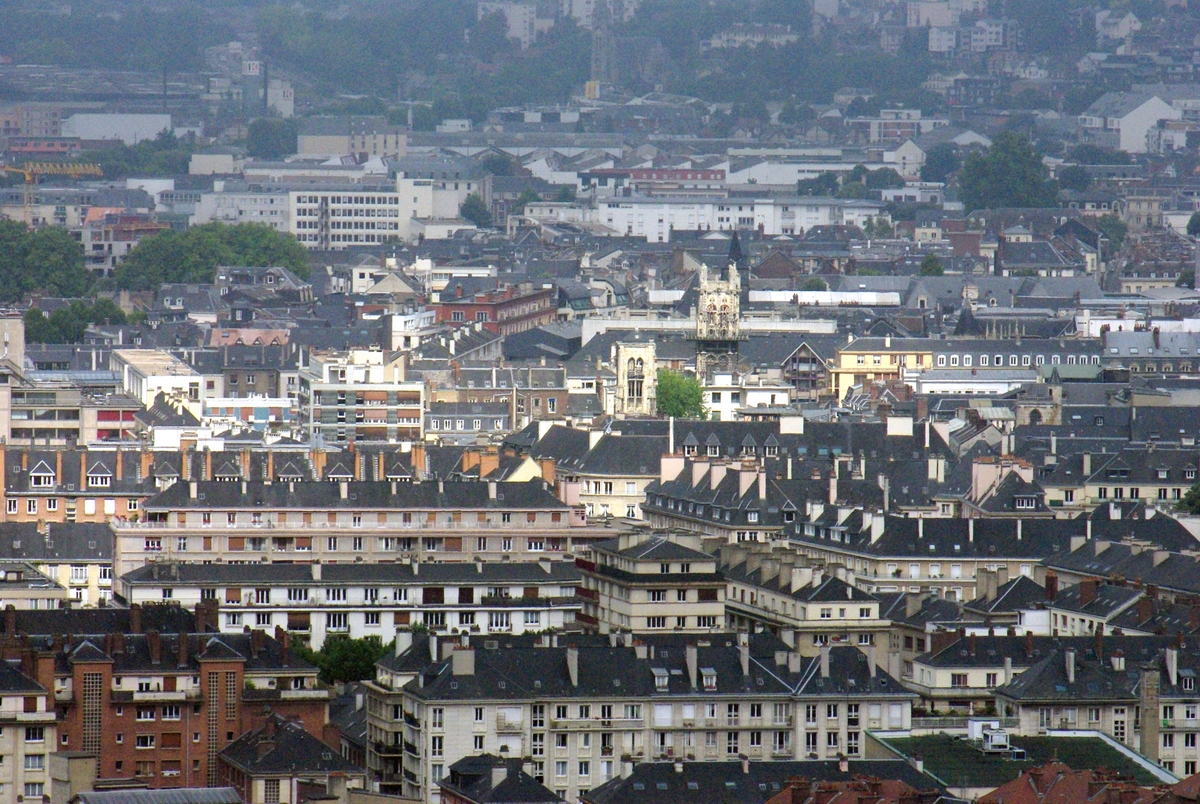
(1088, 588)
(135, 618)
(182, 653)
(154, 643)
(1051, 585)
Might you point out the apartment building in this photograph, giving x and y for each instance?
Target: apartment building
(817, 605)
(76, 556)
(343, 521)
(905, 359)
(24, 588)
(717, 497)
(334, 217)
(315, 601)
(157, 708)
(359, 395)
(504, 310)
(145, 373)
(578, 704)
(74, 486)
(28, 728)
(1140, 691)
(646, 582)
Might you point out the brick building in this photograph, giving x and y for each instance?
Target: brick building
(505, 310)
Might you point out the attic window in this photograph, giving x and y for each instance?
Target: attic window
(709, 677)
(100, 481)
(661, 678)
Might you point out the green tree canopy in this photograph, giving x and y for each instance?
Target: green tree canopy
(814, 283)
(680, 395)
(528, 196)
(1115, 230)
(269, 138)
(1193, 225)
(192, 255)
(344, 659)
(932, 266)
(476, 211)
(47, 259)
(1191, 501)
(1088, 154)
(940, 161)
(1074, 177)
(1009, 174)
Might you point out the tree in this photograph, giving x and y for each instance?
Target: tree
(192, 255)
(680, 395)
(1114, 229)
(476, 211)
(344, 659)
(1193, 225)
(528, 196)
(878, 227)
(931, 266)
(940, 161)
(1191, 501)
(1074, 177)
(1088, 154)
(498, 165)
(269, 138)
(825, 183)
(565, 194)
(814, 283)
(48, 259)
(1009, 174)
(884, 179)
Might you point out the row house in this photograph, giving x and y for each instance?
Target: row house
(28, 726)
(504, 310)
(76, 556)
(580, 704)
(349, 521)
(316, 601)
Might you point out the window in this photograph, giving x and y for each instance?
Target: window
(145, 741)
(656, 622)
(170, 712)
(35, 762)
(436, 746)
(560, 769)
(35, 734)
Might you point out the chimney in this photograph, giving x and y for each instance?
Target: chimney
(182, 652)
(10, 620)
(871, 659)
(1088, 588)
(499, 774)
(1069, 656)
(745, 764)
(1007, 669)
(843, 764)
(744, 655)
(1171, 659)
(573, 665)
(285, 644)
(404, 640)
(824, 661)
(1029, 644)
(1087, 465)
(692, 655)
(433, 648)
(82, 468)
(154, 643)
(1051, 585)
(135, 618)
(1145, 609)
(462, 662)
(257, 641)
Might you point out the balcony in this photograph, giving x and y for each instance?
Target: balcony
(781, 752)
(387, 749)
(506, 726)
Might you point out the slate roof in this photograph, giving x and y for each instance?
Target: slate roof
(1176, 571)
(471, 779)
(514, 572)
(726, 783)
(290, 751)
(655, 548)
(1016, 595)
(62, 541)
(360, 495)
(184, 795)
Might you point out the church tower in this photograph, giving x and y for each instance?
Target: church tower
(718, 320)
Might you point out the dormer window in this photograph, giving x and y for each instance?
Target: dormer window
(709, 676)
(661, 679)
(100, 481)
(714, 451)
(1162, 474)
(41, 481)
(1189, 473)
(1026, 503)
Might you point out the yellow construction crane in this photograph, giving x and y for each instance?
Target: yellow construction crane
(32, 170)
